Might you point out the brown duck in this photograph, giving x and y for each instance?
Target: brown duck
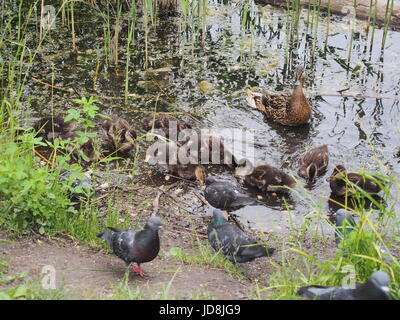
(289, 110)
(269, 179)
(166, 123)
(340, 182)
(313, 163)
(120, 135)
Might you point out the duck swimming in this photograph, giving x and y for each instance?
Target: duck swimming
(313, 163)
(341, 182)
(289, 110)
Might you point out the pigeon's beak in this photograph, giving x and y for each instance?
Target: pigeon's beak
(386, 289)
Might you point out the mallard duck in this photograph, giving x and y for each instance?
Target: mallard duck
(169, 125)
(313, 163)
(269, 179)
(226, 196)
(50, 128)
(120, 135)
(289, 110)
(340, 182)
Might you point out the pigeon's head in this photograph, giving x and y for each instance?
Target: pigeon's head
(210, 180)
(380, 280)
(344, 215)
(154, 223)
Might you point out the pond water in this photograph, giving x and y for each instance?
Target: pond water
(361, 128)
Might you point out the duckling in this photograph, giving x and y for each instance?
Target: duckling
(168, 124)
(339, 182)
(120, 135)
(269, 179)
(208, 149)
(50, 128)
(289, 110)
(166, 155)
(313, 163)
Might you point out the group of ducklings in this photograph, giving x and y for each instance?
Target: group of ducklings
(286, 109)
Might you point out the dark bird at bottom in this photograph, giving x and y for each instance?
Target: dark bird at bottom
(134, 246)
(376, 288)
(226, 196)
(233, 242)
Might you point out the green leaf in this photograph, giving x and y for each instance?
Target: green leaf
(72, 114)
(19, 291)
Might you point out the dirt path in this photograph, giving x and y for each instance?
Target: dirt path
(93, 274)
(88, 273)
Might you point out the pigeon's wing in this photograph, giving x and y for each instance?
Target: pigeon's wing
(326, 293)
(220, 195)
(123, 244)
(247, 248)
(230, 239)
(243, 200)
(317, 292)
(221, 238)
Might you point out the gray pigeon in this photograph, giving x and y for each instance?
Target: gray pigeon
(233, 241)
(135, 246)
(81, 188)
(226, 196)
(376, 288)
(345, 223)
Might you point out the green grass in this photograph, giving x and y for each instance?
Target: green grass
(204, 255)
(358, 254)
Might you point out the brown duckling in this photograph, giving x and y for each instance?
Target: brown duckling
(168, 124)
(313, 163)
(50, 128)
(208, 149)
(289, 110)
(166, 155)
(269, 179)
(120, 135)
(340, 182)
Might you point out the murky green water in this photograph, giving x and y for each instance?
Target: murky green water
(362, 131)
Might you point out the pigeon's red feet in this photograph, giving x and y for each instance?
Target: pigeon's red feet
(139, 271)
